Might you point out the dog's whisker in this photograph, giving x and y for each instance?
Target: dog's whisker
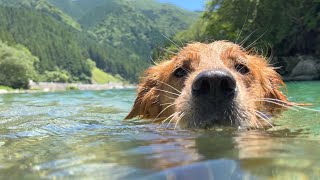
(171, 41)
(255, 40)
(168, 51)
(290, 104)
(279, 104)
(169, 86)
(260, 124)
(245, 21)
(180, 117)
(245, 39)
(167, 91)
(167, 119)
(170, 97)
(251, 124)
(263, 117)
(248, 126)
(172, 119)
(163, 104)
(257, 50)
(256, 124)
(269, 59)
(278, 100)
(153, 61)
(304, 108)
(162, 112)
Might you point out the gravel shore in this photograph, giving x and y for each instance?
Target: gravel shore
(50, 87)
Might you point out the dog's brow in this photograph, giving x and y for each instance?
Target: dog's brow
(241, 60)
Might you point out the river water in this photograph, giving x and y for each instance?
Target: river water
(81, 134)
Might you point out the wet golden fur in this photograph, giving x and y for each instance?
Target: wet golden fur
(162, 96)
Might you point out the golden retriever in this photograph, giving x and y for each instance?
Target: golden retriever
(211, 84)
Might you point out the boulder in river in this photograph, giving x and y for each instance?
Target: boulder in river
(299, 68)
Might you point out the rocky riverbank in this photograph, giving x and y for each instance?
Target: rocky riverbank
(298, 68)
(51, 87)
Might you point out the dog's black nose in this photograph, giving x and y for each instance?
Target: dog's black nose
(216, 85)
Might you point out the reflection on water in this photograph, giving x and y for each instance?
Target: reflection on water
(82, 135)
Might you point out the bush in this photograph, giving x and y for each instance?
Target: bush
(17, 66)
(72, 88)
(56, 76)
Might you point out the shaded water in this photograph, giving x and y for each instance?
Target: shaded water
(81, 134)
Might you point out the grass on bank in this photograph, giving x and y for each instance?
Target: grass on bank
(101, 77)
(6, 88)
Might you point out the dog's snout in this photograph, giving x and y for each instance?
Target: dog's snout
(215, 84)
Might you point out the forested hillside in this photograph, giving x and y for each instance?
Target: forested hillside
(61, 47)
(77, 8)
(137, 26)
(119, 40)
(55, 43)
(42, 6)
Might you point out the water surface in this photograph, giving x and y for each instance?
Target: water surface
(80, 134)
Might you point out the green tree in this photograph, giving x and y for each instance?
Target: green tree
(290, 27)
(17, 66)
(56, 76)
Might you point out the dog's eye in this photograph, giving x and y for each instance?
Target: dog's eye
(180, 72)
(241, 68)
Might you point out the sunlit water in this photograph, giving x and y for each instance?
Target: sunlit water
(81, 134)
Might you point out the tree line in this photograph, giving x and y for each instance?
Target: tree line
(279, 27)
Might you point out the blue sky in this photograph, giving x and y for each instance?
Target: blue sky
(192, 5)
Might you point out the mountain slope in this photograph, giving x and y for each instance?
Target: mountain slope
(77, 8)
(52, 41)
(132, 31)
(167, 18)
(138, 26)
(45, 7)
(133, 27)
(61, 47)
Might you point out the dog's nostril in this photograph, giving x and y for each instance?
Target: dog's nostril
(202, 84)
(218, 84)
(228, 85)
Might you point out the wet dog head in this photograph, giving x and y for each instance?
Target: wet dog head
(210, 84)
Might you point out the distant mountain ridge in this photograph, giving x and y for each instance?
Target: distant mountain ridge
(45, 7)
(76, 8)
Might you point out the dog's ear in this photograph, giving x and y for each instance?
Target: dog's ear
(275, 85)
(146, 104)
(270, 81)
(275, 89)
